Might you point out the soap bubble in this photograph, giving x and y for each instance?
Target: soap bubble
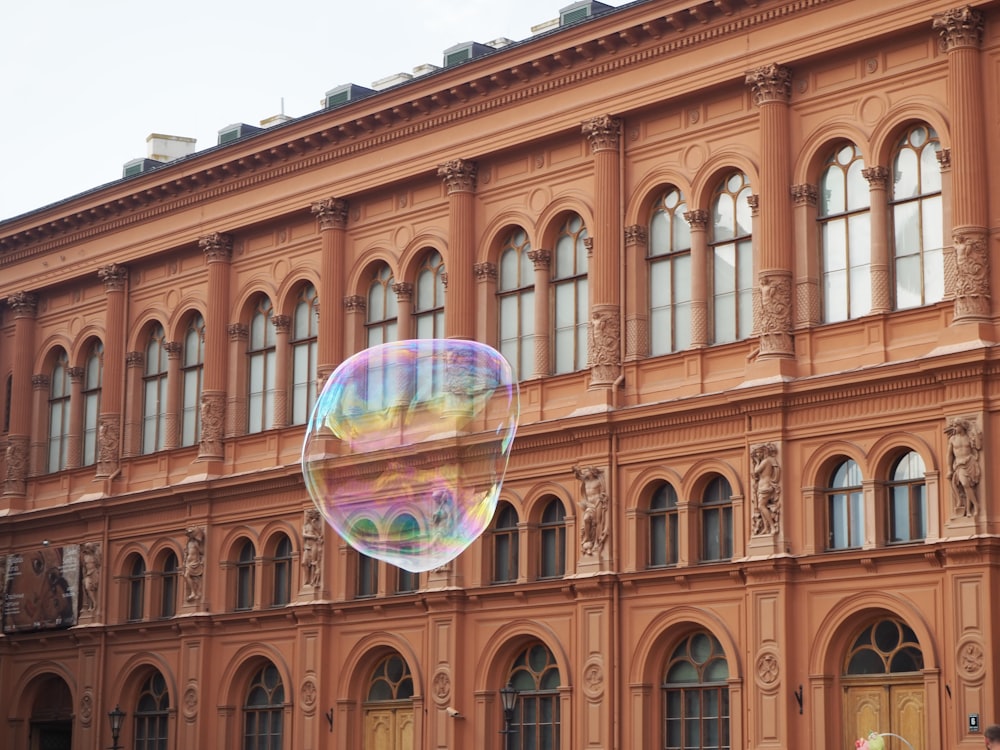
(406, 448)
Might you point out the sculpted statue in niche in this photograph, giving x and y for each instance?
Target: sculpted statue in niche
(312, 547)
(965, 443)
(194, 563)
(593, 509)
(90, 558)
(766, 472)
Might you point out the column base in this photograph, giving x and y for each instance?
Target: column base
(965, 335)
(764, 370)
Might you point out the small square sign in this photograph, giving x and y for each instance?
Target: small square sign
(973, 723)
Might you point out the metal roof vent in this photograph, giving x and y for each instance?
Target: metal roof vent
(232, 133)
(464, 52)
(349, 92)
(580, 11)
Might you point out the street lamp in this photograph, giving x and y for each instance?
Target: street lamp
(117, 718)
(508, 699)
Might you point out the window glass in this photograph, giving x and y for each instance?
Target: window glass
(669, 275)
(732, 261)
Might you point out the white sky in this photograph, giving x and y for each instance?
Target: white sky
(82, 84)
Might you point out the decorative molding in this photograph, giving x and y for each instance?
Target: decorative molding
(217, 247)
(959, 27)
(24, 304)
(459, 175)
(805, 195)
(354, 303)
(485, 271)
(282, 323)
(237, 332)
(403, 290)
(770, 83)
(541, 259)
(114, 277)
(135, 359)
(636, 234)
(697, 218)
(877, 177)
(603, 132)
(972, 265)
(331, 213)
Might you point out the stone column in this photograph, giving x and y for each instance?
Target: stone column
(172, 438)
(218, 249)
(697, 219)
(74, 447)
(109, 423)
(460, 299)
(637, 307)
(771, 87)
(542, 261)
(604, 271)
(404, 309)
(38, 448)
(355, 307)
(878, 183)
(24, 305)
(331, 213)
(282, 328)
(486, 290)
(807, 264)
(961, 32)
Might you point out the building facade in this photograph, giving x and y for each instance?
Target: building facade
(738, 253)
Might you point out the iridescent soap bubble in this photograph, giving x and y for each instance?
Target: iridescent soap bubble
(406, 448)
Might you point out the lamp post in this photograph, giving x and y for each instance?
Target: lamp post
(117, 718)
(508, 699)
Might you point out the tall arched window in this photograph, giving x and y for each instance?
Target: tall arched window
(261, 364)
(192, 375)
(717, 521)
(907, 499)
(536, 722)
(282, 572)
(136, 588)
(151, 713)
(388, 707)
(516, 293)
(505, 545)
(382, 312)
(428, 298)
(367, 572)
(917, 219)
(404, 528)
(669, 275)
(305, 329)
(245, 575)
(263, 712)
(59, 392)
(552, 531)
(154, 388)
(569, 297)
(845, 235)
(696, 695)
(92, 374)
(168, 586)
(732, 261)
(845, 507)
(663, 527)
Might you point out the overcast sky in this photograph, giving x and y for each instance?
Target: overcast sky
(82, 84)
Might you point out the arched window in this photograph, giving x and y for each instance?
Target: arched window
(192, 375)
(381, 310)
(553, 540)
(845, 507)
(245, 576)
(536, 722)
(845, 235)
(732, 261)
(263, 712)
(390, 681)
(136, 588)
(59, 392)
(505, 545)
(907, 499)
(261, 364)
(516, 293)
(305, 329)
(282, 572)
(389, 721)
(717, 521)
(92, 374)
(885, 647)
(569, 297)
(154, 388)
(917, 219)
(696, 695)
(669, 275)
(168, 586)
(428, 302)
(367, 574)
(663, 527)
(151, 712)
(403, 530)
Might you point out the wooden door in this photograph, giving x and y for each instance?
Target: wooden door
(896, 708)
(389, 729)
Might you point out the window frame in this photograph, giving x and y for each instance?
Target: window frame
(666, 296)
(717, 502)
(516, 304)
(569, 281)
(741, 315)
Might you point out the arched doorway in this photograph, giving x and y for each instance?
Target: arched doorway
(388, 706)
(51, 716)
(884, 686)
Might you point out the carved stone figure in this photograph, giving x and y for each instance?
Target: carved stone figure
(766, 471)
(593, 509)
(212, 413)
(965, 443)
(194, 563)
(90, 554)
(312, 547)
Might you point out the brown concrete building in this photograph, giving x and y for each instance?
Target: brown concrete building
(738, 252)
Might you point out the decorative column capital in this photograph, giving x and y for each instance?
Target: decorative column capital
(697, 218)
(944, 159)
(331, 213)
(113, 276)
(959, 27)
(354, 303)
(603, 132)
(237, 332)
(636, 234)
(282, 323)
(173, 349)
(75, 374)
(216, 246)
(135, 359)
(485, 271)
(770, 83)
(403, 290)
(40, 382)
(24, 304)
(459, 175)
(804, 195)
(877, 176)
(754, 202)
(541, 259)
